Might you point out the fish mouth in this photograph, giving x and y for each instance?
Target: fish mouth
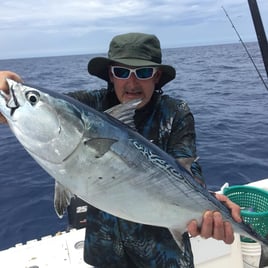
(10, 99)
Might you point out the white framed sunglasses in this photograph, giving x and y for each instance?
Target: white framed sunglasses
(141, 73)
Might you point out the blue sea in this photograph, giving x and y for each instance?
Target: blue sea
(219, 83)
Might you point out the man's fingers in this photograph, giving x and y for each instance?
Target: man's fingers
(229, 233)
(207, 225)
(193, 229)
(10, 75)
(212, 226)
(235, 209)
(218, 228)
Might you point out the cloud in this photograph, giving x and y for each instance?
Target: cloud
(66, 26)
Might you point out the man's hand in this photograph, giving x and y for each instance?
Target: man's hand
(4, 85)
(213, 224)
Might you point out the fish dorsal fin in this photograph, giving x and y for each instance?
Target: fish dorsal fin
(62, 199)
(125, 112)
(186, 162)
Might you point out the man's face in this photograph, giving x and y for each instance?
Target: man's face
(127, 89)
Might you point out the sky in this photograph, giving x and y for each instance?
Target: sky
(37, 28)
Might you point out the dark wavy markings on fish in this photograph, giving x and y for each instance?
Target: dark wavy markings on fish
(161, 163)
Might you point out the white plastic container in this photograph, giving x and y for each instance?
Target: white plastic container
(251, 253)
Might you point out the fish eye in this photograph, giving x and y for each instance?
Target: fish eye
(32, 96)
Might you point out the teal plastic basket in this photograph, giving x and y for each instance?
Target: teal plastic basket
(254, 207)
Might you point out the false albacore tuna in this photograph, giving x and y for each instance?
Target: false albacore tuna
(106, 163)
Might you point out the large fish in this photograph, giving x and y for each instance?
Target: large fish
(106, 163)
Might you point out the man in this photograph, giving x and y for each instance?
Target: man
(133, 70)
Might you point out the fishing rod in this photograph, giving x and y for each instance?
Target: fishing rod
(259, 29)
(246, 49)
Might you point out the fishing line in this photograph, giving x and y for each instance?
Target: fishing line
(246, 49)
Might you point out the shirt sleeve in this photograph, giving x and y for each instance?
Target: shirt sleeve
(90, 98)
(182, 140)
(100, 100)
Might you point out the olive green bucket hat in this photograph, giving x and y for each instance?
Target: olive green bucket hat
(135, 50)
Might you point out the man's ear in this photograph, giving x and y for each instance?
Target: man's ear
(157, 76)
(111, 77)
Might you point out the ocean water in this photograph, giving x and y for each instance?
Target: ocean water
(219, 83)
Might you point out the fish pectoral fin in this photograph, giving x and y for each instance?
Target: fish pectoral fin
(100, 145)
(62, 199)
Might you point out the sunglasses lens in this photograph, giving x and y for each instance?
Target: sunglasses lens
(145, 73)
(141, 73)
(121, 72)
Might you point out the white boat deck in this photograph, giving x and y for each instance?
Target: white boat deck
(66, 250)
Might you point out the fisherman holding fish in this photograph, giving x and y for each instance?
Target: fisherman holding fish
(134, 70)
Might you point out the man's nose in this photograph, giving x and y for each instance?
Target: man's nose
(132, 79)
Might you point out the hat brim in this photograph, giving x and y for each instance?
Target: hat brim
(98, 66)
